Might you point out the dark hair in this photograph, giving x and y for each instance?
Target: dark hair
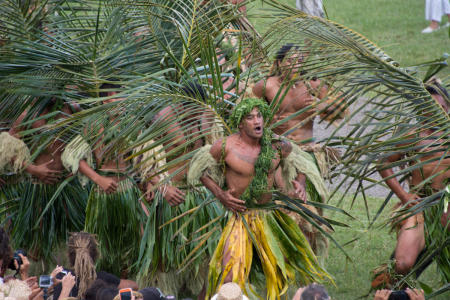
(314, 291)
(5, 250)
(96, 286)
(194, 90)
(437, 89)
(107, 86)
(106, 293)
(151, 293)
(281, 53)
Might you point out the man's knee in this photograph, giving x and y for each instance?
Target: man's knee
(403, 264)
(229, 277)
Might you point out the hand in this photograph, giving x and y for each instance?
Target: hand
(415, 294)
(312, 101)
(55, 272)
(68, 282)
(45, 174)
(382, 295)
(411, 199)
(232, 203)
(107, 184)
(23, 270)
(31, 281)
(299, 190)
(36, 293)
(173, 195)
(149, 194)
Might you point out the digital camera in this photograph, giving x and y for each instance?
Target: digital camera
(45, 281)
(16, 257)
(398, 295)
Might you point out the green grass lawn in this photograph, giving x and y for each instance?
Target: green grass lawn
(393, 25)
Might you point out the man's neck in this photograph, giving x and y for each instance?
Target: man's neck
(289, 77)
(254, 142)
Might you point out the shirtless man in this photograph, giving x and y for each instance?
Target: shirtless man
(186, 127)
(113, 212)
(184, 119)
(300, 95)
(411, 238)
(47, 173)
(47, 167)
(241, 152)
(252, 155)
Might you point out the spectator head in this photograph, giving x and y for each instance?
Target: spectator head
(137, 296)
(96, 286)
(106, 293)
(83, 252)
(313, 291)
(229, 291)
(152, 293)
(5, 252)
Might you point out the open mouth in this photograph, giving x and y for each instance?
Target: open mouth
(258, 129)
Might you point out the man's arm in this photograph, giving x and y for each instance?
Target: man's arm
(173, 195)
(299, 183)
(393, 183)
(42, 171)
(225, 197)
(105, 183)
(333, 106)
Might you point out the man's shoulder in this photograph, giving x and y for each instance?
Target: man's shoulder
(282, 143)
(273, 81)
(218, 149)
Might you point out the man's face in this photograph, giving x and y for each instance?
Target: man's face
(293, 62)
(112, 99)
(252, 124)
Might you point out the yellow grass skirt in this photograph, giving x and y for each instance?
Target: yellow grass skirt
(283, 251)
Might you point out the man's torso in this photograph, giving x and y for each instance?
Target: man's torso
(240, 159)
(297, 98)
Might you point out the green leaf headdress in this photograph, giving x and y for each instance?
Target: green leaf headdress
(245, 107)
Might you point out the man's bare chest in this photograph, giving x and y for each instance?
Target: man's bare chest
(243, 163)
(294, 100)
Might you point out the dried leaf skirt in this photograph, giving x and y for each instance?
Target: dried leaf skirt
(41, 215)
(282, 251)
(179, 241)
(116, 220)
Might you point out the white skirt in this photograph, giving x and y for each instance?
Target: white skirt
(435, 9)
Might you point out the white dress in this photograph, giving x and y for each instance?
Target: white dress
(435, 9)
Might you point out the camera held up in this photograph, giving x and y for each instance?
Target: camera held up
(16, 257)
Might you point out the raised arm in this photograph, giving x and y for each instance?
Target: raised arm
(392, 182)
(333, 106)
